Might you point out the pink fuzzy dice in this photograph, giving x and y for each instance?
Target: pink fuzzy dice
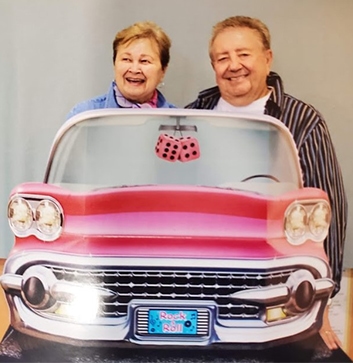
(168, 147)
(190, 149)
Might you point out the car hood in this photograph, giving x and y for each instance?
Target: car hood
(171, 221)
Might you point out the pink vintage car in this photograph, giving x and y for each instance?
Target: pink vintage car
(168, 227)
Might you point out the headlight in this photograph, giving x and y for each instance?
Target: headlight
(307, 220)
(48, 217)
(319, 221)
(20, 215)
(36, 215)
(295, 224)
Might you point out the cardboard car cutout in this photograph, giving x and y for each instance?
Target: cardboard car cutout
(126, 241)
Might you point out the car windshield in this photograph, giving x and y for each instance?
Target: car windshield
(118, 149)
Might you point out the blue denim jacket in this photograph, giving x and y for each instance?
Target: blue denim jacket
(108, 101)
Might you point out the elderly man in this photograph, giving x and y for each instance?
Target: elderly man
(241, 58)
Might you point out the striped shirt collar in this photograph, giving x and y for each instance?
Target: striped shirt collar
(209, 98)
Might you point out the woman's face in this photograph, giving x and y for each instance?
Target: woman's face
(138, 70)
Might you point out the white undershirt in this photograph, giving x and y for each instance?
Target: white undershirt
(256, 107)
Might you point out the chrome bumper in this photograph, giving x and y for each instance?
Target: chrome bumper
(85, 328)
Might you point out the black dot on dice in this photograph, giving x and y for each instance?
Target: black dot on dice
(167, 144)
(157, 149)
(187, 155)
(172, 157)
(175, 147)
(185, 147)
(166, 150)
(173, 152)
(192, 144)
(164, 155)
(194, 153)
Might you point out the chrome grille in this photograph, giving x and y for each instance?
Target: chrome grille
(152, 283)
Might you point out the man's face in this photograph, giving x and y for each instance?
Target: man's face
(241, 65)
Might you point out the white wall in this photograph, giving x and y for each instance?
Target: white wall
(56, 53)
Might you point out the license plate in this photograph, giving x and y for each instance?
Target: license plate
(170, 321)
(158, 322)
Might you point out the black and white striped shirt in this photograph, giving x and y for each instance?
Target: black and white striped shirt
(317, 155)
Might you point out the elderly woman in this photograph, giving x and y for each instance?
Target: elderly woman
(140, 57)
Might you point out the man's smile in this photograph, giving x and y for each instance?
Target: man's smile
(236, 78)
